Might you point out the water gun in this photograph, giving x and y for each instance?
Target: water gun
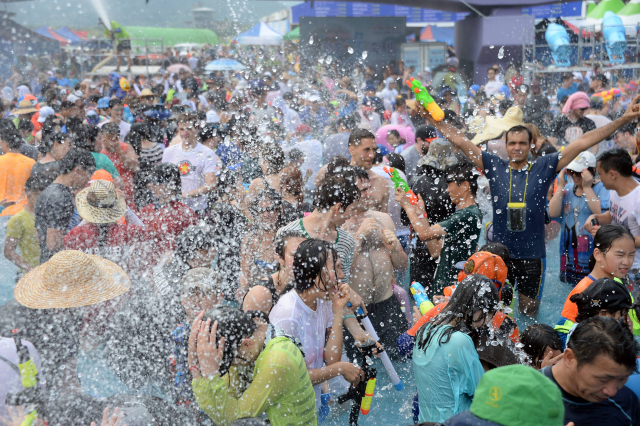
(398, 182)
(386, 362)
(608, 95)
(421, 298)
(365, 406)
(423, 96)
(448, 291)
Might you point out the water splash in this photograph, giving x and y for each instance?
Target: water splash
(102, 13)
(311, 40)
(501, 53)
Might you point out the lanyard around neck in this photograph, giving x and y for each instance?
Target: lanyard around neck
(526, 183)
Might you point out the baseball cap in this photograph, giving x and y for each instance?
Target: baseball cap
(426, 132)
(72, 98)
(45, 112)
(103, 102)
(517, 395)
(604, 293)
(584, 160)
(212, 117)
(369, 87)
(204, 279)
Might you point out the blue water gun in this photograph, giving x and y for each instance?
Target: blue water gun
(421, 298)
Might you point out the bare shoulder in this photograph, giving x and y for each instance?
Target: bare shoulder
(383, 218)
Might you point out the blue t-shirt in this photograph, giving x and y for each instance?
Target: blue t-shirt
(528, 244)
(562, 92)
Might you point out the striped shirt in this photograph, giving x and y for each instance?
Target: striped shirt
(152, 156)
(345, 244)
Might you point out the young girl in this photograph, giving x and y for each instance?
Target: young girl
(445, 362)
(612, 257)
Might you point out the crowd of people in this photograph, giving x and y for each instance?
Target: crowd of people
(223, 240)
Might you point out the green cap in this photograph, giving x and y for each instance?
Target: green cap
(517, 395)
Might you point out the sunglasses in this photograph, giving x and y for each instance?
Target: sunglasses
(584, 109)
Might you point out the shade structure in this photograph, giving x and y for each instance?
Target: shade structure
(630, 14)
(170, 36)
(292, 35)
(49, 33)
(224, 65)
(66, 33)
(261, 34)
(175, 68)
(606, 5)
(433, 33)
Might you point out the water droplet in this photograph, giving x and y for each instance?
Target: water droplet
(311, 40)
(491, 47)
(364, 55)
(350, 50)
(329, 59)
(498, 211)
(501, 53)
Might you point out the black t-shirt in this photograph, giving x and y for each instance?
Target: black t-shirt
(54, 209)
(621, 410)
(29, 151)
(45, 171)
(567, 131)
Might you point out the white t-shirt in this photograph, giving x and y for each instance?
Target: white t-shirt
(193, 166)
(626, 211)
(193, 62)
(601, 121)
(492, 87)
(296, 319)
(312, 149)
(124, 128)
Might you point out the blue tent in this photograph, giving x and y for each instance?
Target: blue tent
(260, 34)
(68, 34)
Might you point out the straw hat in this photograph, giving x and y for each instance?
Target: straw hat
(147, 93)
(100, 202)
(495, 126)
(24, 107)
(71, 279)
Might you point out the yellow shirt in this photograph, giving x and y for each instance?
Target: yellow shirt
(22, 227)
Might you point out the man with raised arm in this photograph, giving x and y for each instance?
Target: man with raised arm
(518, 194)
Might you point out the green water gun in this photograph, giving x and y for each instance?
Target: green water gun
(423, 96)
(398, 182)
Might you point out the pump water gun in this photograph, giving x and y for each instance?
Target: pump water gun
(448, 291)
(421, 298)
(365, 406)
(423, 96)
(608, 95)
(362, 393)
(398, 182)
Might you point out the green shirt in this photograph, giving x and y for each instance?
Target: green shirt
(22, 227)
(103, 163)
(281, 387)
(463, 229)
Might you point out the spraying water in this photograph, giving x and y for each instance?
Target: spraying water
(97, 4)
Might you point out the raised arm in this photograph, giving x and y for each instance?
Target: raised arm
(455, 136)
(596, 136)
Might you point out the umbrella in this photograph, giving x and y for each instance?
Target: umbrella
(224, 64)
(292, 35)
(175, 68)
(405, 133)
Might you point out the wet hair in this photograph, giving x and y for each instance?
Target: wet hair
(281, 240)
(142, 129)
(616, 159)
(498, 249)
(194, 238)
(394, 132)
(310, 259)
(25, 125)
(208, 131)
(334, 189)
(536, 339)
(135, 140)
(296, 154)
(292, 183)
(474, 293)
(11, 137)
(356, 172)
(66, 105)
(400, 101)
(114, 102)
(586, 309)
(358, 135)
(274, 157)
(396, 161)
(336, 165)
(349, 122)
(519, 129)
(110, 129)
(463, 172)
(188, 117)
(605, 336)
(86, 137)
(167, 173)
(36, 184)
(604, 239)
(77, 158)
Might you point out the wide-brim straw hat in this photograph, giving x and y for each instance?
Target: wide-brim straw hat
(101, 203)
(495, 126)
(24, 107)
(146, 93)
(71, 279)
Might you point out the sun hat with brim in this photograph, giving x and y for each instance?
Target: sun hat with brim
(584, 160)
(491, 130)
(45, 112)
(24, 107)
(146, 93)
(71, 279)
(484, 263)
(517, 395)
(100, 203)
